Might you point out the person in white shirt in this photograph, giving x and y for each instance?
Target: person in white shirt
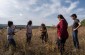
(10, 34)
(29, 31)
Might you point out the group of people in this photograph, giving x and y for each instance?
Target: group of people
(11, 32)
(62, 32)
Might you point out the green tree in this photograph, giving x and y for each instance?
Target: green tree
(83, 22)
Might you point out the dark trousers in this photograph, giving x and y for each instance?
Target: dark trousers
(61, 44)
(44, 37)
(75, 39)
(11, 42)
(29, 36)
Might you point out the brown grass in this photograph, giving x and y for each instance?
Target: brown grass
(36, 47)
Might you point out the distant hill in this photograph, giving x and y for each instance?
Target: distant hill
(83, 22)
(19, 26)
(3, 26)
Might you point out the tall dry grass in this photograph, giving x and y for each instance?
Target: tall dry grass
(36, 47)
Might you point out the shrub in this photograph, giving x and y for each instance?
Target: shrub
(83, 22)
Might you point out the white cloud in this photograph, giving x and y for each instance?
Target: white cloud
(72, 6)
(21, 11)
(68, 1)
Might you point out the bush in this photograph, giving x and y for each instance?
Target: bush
(83, 22)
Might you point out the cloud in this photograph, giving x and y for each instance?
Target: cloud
(68, 1)
(72, 6)
(21, 11)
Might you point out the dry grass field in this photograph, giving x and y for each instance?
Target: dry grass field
(36, 47)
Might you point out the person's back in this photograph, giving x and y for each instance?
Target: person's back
(65, 32)
(29, 31)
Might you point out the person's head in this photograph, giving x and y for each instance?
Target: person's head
(73, 16)
(43, 25)
(10, 23)
(29, 23)
(60, 17)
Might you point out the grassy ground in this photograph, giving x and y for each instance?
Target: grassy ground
(36, 47)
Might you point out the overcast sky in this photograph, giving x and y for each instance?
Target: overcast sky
(40, 11)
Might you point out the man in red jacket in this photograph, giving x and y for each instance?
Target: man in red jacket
(62, 32)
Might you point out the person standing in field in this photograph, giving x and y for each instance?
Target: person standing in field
(10, 34)
(29, 31)
(75, 26)
(44, 34)
(62, 33)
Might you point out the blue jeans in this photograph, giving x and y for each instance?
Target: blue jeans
(75, 39)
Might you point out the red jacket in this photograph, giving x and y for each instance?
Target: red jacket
(62, 29)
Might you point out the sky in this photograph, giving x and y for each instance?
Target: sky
(40, 11)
